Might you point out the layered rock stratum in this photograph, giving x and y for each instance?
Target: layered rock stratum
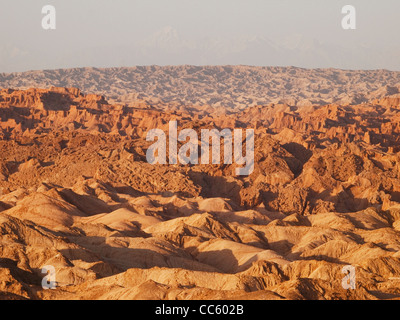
(77, 193)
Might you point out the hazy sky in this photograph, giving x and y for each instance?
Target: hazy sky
(105, 33)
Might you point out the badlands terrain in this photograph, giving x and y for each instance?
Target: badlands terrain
(230, 87)
(77, 193)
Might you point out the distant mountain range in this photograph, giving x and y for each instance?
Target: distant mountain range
(168, 47)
